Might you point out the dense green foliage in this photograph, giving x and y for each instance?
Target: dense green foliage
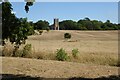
(87, 24)
(14, 29)
(41, 25)
(68, 25)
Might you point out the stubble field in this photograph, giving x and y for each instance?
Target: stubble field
(98, 53)
(99, 47)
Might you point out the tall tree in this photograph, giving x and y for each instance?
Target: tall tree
(14, 29)
(7, 19)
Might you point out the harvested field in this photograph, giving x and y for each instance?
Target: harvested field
(97, 51)
(85, 41)
(99, 47)
(54, 69)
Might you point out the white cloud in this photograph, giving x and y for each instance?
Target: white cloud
(13, 12)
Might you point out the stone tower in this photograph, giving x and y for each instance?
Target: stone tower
(56, 24)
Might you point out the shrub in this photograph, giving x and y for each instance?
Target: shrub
(75, 53)
(67, 35)
(40, 32)
(18, 53)
(27, 50)
(61, 55)
(7, 50)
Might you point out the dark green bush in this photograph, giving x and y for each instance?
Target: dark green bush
(61, 55)
(67, 35)
(40, 32)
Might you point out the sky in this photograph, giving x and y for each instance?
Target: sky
(101, 11)
(66, 0)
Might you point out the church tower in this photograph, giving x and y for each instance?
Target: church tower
(56, 24)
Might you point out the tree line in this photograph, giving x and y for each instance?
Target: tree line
(83, 24)
(87, 24)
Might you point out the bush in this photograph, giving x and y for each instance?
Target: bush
(27, 50)
(61, 55)
(40, 32)
(18, 53)
(7, 50)
(75, 53)
(67, 35)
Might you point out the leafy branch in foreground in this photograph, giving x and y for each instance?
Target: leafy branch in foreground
(14, 29)
(28, 4)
